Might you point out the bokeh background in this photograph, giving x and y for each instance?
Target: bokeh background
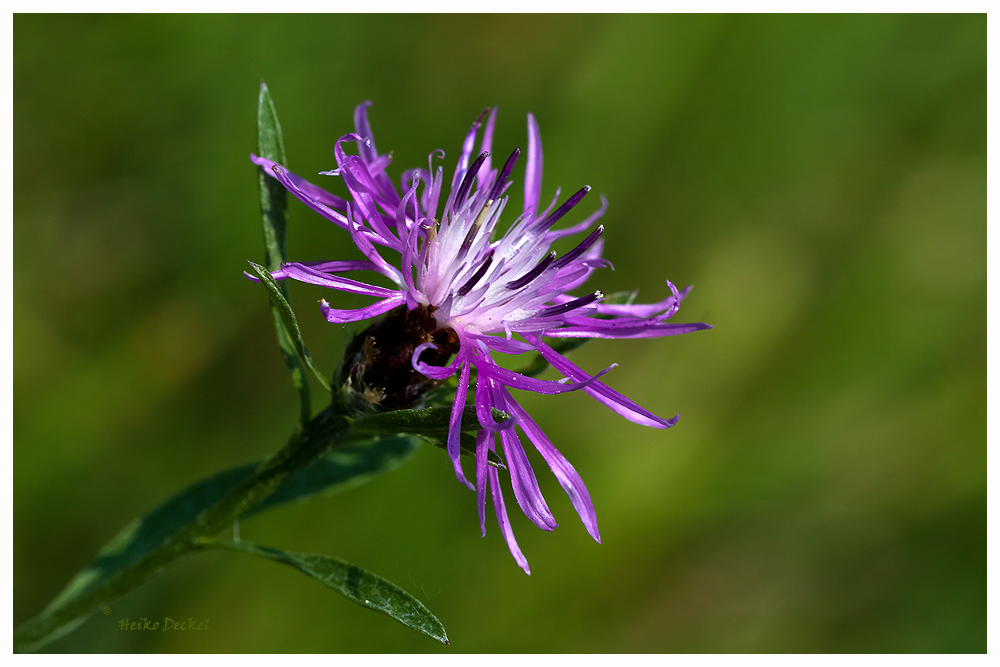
(821, 180)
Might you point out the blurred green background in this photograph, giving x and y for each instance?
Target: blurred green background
(820, 180)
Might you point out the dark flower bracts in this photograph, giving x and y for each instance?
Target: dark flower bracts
(463, 290)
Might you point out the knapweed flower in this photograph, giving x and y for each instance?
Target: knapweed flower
(464, 290)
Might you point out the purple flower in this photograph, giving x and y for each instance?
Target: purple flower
(482, 287)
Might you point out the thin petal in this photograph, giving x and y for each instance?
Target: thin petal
(518, 381)
(310, 275)
(651, 330)
(485, 402)
(337, 316)
(455, 424)
(487, 144)
(522, 477)
(504, 345)
(364, 129)
(505, 529)
(433, 372)
(533, 170)
(314, 192)
(482, 450)
(368, 250)
(359, 182)
(333, 267)
(463, 158)
(568, 478)
(644, 309)
(601, 392)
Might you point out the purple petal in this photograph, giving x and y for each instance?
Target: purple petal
(644, 309)
(325, 267)
(429, 199)
(455, 422)
(533, 170)
(434, 372)
(504, 345)
(485, 402)
(309, 275)
(315, 204)
(463, 158)
(337, 316)
(314, 192)
(368, 250)
(482, 450)
(505, 529)
(367, 149)
(355, 174)
(334, 266)
(518, 381)
(487, 145)
(523, 481)
(652, 330)
(601, 392)
(522, 477)
(562, 469)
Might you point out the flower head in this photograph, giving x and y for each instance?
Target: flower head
(472, 290)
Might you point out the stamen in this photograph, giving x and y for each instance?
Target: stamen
(476, 226)
(553, 218)
(470, 176)
(432, 232)
(467, 287)
(508, 166)
(580, 249)
(533, 273)
(570, 305)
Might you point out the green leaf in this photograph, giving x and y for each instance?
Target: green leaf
(273, 196)
(280, 304)
(274, 216)
(467, 442)
(355, 583)
(353, 462)
(422, 421)
(145, 534)
(431, 425)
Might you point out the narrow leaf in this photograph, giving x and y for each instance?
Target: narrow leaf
(467, 443)
(281, 306)
(273, 196)
(432, 421)
(349, 464)
(274, 216)
(353, 462)
(355, 583)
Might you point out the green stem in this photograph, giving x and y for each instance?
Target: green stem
(305, 446)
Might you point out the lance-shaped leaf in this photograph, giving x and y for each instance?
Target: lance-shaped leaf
(274, 217)
(421, 421)
(467, 443)
(430, 424)
(273, 196)
(354, 460)
(281, 305)
(354, 583)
